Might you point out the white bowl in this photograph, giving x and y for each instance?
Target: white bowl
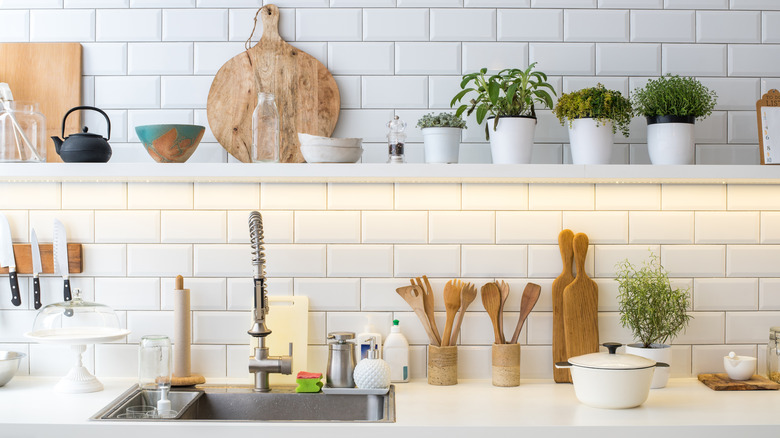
(9, 364)
(331, 154)
(740, 367)
(316, 140)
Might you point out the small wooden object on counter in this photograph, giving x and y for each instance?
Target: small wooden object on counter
(722, 382)
(491, 300)
(565, 239)
(182, 337)
(451, 304)
(442, 365)
(23, 257)
(413, 295)
(504, 289)
(467, 295)
(530, 297)
(428, 303)
(307, 94)
(580, 306)
(49, 74)
(506, 364)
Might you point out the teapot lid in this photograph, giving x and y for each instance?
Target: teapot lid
(86, 134)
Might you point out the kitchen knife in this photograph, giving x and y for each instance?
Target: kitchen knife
(60, 251)
(7, 259)
(35, 251)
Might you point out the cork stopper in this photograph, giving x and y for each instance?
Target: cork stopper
(179, 282)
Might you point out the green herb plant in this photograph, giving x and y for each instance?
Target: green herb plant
(510, 92)
(674, 96)
(648, 305)
(441, 120)
(598, 103)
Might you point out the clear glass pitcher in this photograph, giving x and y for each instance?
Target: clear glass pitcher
(22, 132)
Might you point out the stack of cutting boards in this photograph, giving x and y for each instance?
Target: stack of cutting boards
(575, 305)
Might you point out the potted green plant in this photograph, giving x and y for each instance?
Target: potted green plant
(594, 115)
(653, 311)
(672, 104)
(441, 136)
(508, 100)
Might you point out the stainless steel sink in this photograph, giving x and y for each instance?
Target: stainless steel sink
(241, 403)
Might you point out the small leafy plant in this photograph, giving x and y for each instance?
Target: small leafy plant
(510, 92)
(648, 305)
(597, 103)
(441, 120)
(672, 95)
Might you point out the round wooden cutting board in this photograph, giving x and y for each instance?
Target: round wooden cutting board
(306, 94)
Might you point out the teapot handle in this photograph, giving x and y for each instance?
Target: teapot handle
(108, 121)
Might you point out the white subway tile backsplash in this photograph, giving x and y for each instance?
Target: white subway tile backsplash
(62, 25)
(160, 58)
(442, 89)
(622, 197)
(711, 294)
(369, 58)
(704, 328)
(128, 293)
(360, 196)
(104, 260)
(159, 260)
(293, 196)
(493, 56)
(628, 59)
(394, 92)
(528, 227)
(360, 260)
(156, 196)
(693, 197)
(124, 226)
(753, 59)
(210, 56)
(728, 27)
(122, 92)
(94, 196)
(530, 24)
(205, 293)
(394, 227)
(563, 59)
(754, 4)
(241, 21)
(463, 24)
(363, 124)
(427, 196)
(431, 260)
(328, 25)
(727, 227)
(561, 197)
(128, 25)
(461, 227)
(694, 59)
(742, 129)
(601, 227)
(17, 219)
(493, 260)
(104, 58)
(295, 260)
(330, 293)
(494, 196)
(661, 227)
(327, 227)
(696, 4)
(79, 224)
(607, 257)
(427, 58)
(209, 360)
(749, 327)
(643, 4)
(221, 260)
(17, 26)
(193, 227)
(226, 196)
(278, 226)
(30, 196)
(378, 294)
(754, 197)
(220, 327)
(582, 25)
(112, 360)
(694, 260)
(769, 294)
(195, 25)
(662, 26)
(185, 91)
(752, 260)
(349, 90)
(709, 358)
(141, 323)
(770, 227)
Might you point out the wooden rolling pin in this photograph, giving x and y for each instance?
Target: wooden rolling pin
(182, 337)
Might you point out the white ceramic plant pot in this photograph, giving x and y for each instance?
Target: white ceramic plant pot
(590, 144)
(441, 144)
(670, 140)
(658, 353)
(513, 140)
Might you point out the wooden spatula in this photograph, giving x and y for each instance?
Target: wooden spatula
(527, 302)
(580, 306)
(428, 302)
(451, 304)
(413, 295)
(504, 289)
(565, 242)
(491, 300)
(467, 295)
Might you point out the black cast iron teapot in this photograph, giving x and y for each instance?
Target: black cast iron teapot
(83, 147)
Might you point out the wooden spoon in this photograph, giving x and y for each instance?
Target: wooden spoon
(467, 295)
(530, 297)
(428, 302)
(414, 296)
(491, 299)
(451, 304)
(504, 289)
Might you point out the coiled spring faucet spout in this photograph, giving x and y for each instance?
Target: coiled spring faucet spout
(261, 364)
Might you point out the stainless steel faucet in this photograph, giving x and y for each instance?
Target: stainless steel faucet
(261, 364)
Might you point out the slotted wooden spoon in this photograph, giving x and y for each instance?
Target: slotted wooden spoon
(451, 304)
(467, 295)
(413, 295)
(428, 302)
(491, 300)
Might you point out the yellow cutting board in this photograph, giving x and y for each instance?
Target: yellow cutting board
(288, 319)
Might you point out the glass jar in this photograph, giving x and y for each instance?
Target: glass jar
(265, 130)
(154, 362)
(773, 355)
(22, 132)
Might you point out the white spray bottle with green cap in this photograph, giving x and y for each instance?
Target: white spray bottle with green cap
(397, 354)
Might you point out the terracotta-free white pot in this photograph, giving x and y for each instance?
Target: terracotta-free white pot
(590, 144)
(512, 141)
(658, 353)
(441, 144)
(739, 367)
(670, 139)
(611, 380)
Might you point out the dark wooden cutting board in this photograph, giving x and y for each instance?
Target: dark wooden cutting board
(721, 382)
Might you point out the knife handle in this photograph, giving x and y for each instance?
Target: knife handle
(37, 292)
(16, 298)
(66, 290)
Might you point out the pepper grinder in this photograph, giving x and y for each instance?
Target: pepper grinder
(395, 141)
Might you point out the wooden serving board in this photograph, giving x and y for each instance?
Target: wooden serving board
(47, 73)
(306, 94)
(23, 258)
(721, 382)
(565, 238)
(580, 306)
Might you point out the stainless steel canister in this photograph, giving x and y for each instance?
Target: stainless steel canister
(341, 360)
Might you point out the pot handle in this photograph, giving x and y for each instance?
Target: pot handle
(563, 365)
(661, 365)
(108, 121)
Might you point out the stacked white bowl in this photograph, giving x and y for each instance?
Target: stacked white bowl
(316, 149)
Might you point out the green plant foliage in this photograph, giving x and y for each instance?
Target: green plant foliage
(674, 96)
(598, 103)
(648, 305)
(510, 92)
(441, 120)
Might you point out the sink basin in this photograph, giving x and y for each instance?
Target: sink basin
(241, 403)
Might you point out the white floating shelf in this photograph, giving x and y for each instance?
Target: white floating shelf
(384, 173)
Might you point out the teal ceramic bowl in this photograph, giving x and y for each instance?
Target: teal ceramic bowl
(169, 143)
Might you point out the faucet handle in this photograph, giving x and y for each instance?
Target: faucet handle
(291, 349)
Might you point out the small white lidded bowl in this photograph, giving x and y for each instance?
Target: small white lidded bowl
(317, 149)
(739, 367)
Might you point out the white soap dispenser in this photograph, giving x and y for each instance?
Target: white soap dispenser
(363, 343)
(372, 372)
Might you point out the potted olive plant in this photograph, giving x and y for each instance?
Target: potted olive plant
(508, 100)
(653, 311)
(594, 115)
(441, 136)
(672, 104)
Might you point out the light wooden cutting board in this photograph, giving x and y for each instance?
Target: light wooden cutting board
(47, 73)
(288, 319)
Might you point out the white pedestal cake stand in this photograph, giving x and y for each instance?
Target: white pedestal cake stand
(78, 379)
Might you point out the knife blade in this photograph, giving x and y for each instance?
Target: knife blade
(60, 250)
(7, 259)
(37, 268)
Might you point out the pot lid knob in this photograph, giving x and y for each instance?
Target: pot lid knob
(612, 346)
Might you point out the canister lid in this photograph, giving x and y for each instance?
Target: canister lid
(612, 361)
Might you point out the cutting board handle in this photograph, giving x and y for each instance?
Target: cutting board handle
(269, 17)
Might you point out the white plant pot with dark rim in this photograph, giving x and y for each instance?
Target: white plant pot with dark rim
(441, 144)
(658, 353)
(670, 139)
(591, 141)
(513, 140)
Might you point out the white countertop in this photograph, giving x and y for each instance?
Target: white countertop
(685, 408)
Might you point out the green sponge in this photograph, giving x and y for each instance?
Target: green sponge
(308, 382)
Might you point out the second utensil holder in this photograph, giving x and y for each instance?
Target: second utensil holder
(506, 364)
(442, 365)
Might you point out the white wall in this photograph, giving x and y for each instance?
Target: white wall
(153, 61)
